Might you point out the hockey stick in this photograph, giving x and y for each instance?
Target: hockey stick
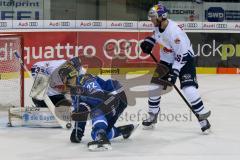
(47, 100)
(106, 107)
(179, 92)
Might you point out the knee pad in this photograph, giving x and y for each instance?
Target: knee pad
(99, 124)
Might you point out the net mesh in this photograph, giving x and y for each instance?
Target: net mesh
(10, 72)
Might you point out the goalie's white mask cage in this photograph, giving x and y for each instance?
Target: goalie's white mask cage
(11, 72)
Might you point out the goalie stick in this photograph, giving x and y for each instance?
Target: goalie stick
(47, 100)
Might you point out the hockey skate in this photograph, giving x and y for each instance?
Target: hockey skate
(204, 116)
(76, 136)
(101, 144)
(127, 130)
(204, 123)
(150, 122)
(205, 126)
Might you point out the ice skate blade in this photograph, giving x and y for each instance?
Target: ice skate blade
(207, 132)
(97, 148)
(151, 127)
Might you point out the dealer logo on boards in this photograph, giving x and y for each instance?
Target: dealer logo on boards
(192, 25)
(215, 14)
(97, 24)
(127, 24)
(221, 26)
(3, 24)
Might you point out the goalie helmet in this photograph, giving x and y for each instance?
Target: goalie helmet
(158, 10)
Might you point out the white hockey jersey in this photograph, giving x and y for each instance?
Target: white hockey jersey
(176, 45)
(48, 67)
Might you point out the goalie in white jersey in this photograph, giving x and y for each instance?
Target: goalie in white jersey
(47, 68)
(41, 115)
(50, 68)
(177, 54)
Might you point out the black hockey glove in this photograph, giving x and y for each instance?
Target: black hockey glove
(76, 90)
(147, 45)
(172, 77)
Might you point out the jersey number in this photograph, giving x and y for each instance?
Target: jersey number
(178, 58)
(91, 86)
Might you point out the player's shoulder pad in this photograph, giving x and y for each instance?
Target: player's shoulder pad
(86, 77)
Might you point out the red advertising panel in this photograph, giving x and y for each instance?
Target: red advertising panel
(118, 49)
(97, 49)
(40, 46)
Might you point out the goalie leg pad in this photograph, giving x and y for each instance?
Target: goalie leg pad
(32, 117)
(39, 87)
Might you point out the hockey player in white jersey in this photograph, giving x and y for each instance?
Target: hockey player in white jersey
(177, 54)
(47, 68)
(41, 115)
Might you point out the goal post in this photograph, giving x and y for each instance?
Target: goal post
(11, 72)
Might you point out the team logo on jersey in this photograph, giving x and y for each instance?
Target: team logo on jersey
(187, 76)
(177, 41)
(167, 50)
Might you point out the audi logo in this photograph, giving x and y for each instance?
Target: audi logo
(65, 23)
(33, 23)
(123, 49)
(192, 25)
(3, 24)
(127, 24)
(221, 25)
(97, 23)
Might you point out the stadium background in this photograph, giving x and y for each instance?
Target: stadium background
(109, 32)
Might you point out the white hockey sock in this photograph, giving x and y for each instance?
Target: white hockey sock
(153, 104)
(194, 98)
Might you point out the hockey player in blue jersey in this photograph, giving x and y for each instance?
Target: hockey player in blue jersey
(101, 100)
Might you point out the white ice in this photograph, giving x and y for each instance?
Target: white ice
(172, 139)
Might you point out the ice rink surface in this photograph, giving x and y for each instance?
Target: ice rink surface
(177, 138)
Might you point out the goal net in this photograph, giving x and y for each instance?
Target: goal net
(11, 72)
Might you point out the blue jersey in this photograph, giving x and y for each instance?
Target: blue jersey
(94, 86)
(95, 92)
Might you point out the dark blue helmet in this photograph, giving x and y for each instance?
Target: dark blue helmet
(158, 10)
(76, 62)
